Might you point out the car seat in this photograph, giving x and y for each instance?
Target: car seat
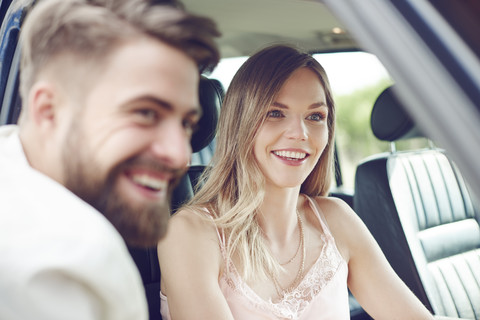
(211, 96)
(419, 208)
(10, 59)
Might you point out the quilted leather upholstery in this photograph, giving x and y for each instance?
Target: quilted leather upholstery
(440, 223)
(418, 207)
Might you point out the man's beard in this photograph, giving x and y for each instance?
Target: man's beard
(141, 225)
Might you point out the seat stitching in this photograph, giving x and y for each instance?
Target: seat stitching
(470, 268)
(447, 190)
(469, 212)
(435, 282)
(411, 191)
(413, 177)
(449, 290)
(463, 286)
(435, 197)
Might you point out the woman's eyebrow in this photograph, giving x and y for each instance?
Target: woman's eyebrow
(279, 105)
(312, 106)
(317, 105)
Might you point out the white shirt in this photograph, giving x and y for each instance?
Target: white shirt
(59, 257)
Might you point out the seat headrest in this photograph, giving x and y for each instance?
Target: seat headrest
(390, 121)
(211, 95)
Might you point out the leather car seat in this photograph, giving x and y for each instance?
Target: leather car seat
(418, 207)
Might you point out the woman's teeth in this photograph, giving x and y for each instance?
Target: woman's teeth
(291, 154)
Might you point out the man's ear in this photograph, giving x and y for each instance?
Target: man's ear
(43, 108)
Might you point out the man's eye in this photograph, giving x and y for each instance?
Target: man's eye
(190, 126)
(274, 114)
(147, 115)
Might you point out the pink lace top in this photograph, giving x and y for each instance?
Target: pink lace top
(322, 294)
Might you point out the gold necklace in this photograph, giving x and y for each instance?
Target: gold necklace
(299, 242)
(280, 290)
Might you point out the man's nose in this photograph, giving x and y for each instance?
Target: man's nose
(171, 145)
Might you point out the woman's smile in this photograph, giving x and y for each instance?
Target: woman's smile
(291, 157)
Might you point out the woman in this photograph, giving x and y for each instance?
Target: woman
(261, 239)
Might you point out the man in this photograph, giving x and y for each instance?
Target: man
(109, 91)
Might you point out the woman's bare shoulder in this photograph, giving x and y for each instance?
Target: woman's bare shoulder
(343, 222)
(190, 224)
(335, 210)
(191, 218)
(190, 247)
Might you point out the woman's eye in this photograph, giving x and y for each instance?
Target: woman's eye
(274, 114)
(316, 117)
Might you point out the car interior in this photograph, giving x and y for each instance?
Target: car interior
(416, 203)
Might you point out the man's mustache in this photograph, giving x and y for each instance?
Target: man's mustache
(155, 165)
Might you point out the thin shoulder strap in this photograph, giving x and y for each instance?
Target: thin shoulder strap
(220, 233)
(318, 212)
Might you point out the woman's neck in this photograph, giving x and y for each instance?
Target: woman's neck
(278, 214)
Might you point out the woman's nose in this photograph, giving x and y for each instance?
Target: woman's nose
(296, 129)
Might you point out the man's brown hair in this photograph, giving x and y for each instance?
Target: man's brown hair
(89, 30)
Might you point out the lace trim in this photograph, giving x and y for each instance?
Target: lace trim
(294, 302)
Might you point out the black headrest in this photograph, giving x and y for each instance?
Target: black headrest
(390, 121)
(211, 96)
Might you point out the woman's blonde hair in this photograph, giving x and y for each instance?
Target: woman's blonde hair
(233, 188)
